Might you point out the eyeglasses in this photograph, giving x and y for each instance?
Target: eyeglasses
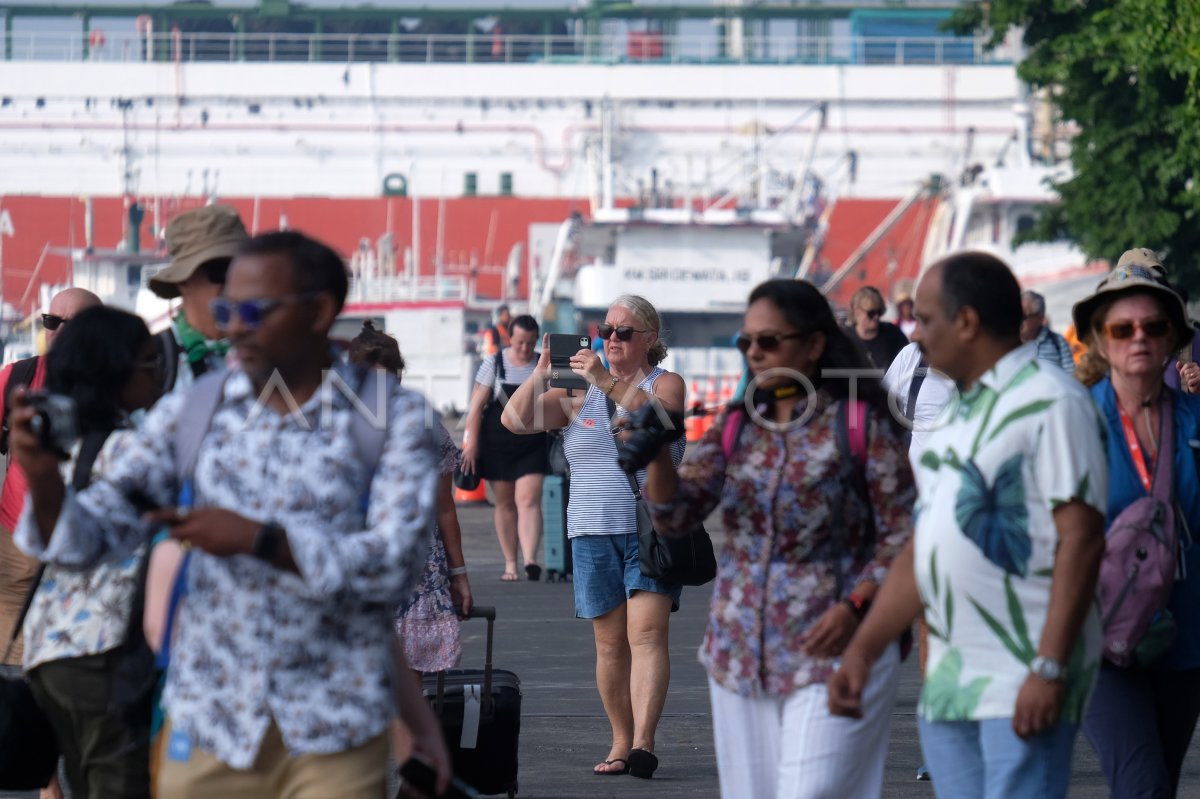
(767, 342)
(1124, 329)
(874, 313)
(52, 322)
(1030, 316)
(252, 312)
(624, 332)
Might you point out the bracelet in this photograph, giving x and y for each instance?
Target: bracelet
(457, 570)
(608, 391)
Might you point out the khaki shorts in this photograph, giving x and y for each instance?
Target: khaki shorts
(16, 575)
(188, 772)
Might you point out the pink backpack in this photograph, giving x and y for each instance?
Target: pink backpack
(1141, 563)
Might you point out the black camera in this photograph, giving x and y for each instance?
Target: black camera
(650, 428)
(55, 421)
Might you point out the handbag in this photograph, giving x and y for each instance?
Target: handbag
(28, 750)
(686, 559)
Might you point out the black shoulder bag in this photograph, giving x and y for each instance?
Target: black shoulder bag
(686, 559)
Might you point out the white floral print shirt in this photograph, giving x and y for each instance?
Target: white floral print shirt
(78, 612)
(1025, 439)
(256, 643)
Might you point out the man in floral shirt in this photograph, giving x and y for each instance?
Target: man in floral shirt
(1007, 549)
(278, 681)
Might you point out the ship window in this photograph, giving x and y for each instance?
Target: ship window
(470, 184)
(506, 184)
(1025, 223)
(133, 277)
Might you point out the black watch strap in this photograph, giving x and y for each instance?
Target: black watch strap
(266, 542)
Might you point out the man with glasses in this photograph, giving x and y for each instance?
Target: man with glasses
(201, 244)
(1051, 347)
(17, 570)
(881, 340)
(302, 542)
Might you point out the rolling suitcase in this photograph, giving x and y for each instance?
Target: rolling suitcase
(556, 548)
(480, 714)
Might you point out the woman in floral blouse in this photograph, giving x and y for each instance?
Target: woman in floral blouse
(808, 539)
(108, 363)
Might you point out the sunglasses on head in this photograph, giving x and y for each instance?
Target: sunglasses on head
(252, 313)
(52, 322)
(1123, 329)
(767, 342)
(624, 332)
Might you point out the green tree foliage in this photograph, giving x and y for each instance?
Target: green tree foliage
(1127, 72)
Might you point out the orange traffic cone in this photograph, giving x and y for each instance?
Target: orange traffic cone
(478, 494)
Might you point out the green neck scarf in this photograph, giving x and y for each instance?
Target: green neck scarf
(197, 347)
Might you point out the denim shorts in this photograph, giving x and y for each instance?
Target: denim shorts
(607, 573)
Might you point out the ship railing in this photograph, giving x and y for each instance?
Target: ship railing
(618, 48)
(407, 289)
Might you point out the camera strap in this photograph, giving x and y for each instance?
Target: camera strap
(612, 414)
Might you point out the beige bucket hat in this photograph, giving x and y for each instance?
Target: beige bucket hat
(1144, 257)
(1128, 278)
(194, 238)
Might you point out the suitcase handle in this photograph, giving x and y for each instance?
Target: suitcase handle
(477, 612)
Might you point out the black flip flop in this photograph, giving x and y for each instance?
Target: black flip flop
(533, 572)
(642, 764)
(620, 773)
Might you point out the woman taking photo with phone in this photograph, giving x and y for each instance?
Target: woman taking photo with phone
(629, 612)
(816, 496)
(515, 465)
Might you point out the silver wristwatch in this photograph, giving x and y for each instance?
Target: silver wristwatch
(1046, 669)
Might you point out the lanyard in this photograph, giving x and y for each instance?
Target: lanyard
(1135, 449)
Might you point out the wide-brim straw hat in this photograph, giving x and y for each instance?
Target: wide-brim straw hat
(195, 238)
(1128, 279)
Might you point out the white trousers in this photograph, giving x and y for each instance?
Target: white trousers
(791, 748)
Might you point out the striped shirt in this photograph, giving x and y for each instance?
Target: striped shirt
(514, 374)
(601, 502)
(1055, 349)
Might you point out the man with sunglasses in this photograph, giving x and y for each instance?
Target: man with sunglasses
(881, 340)
(201, 244)
(301, 541)
(1051, 347)
(16, 569)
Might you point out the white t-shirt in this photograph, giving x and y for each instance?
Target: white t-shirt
(1025, 439)
(936, 399)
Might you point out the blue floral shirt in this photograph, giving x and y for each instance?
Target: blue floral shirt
(1025, 439)
(308, 650)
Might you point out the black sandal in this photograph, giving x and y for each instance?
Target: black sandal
(642, 764)
(533, 572)
(619, 773)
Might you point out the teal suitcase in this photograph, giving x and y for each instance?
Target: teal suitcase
(556, 549)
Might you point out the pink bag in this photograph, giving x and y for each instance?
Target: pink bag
(1141, 561)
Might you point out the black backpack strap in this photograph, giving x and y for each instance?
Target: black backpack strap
(89, 449)
(170, 349)
(500, 367)
(22, 374)
(914, 388)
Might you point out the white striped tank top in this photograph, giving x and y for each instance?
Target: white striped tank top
(600, 500)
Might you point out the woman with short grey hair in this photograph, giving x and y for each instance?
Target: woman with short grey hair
(629, 611)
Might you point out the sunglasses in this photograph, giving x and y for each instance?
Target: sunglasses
(874, 313)
(767, 342)
(623, 333)
(52, 322)
(252, 313)
(1125, 328)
